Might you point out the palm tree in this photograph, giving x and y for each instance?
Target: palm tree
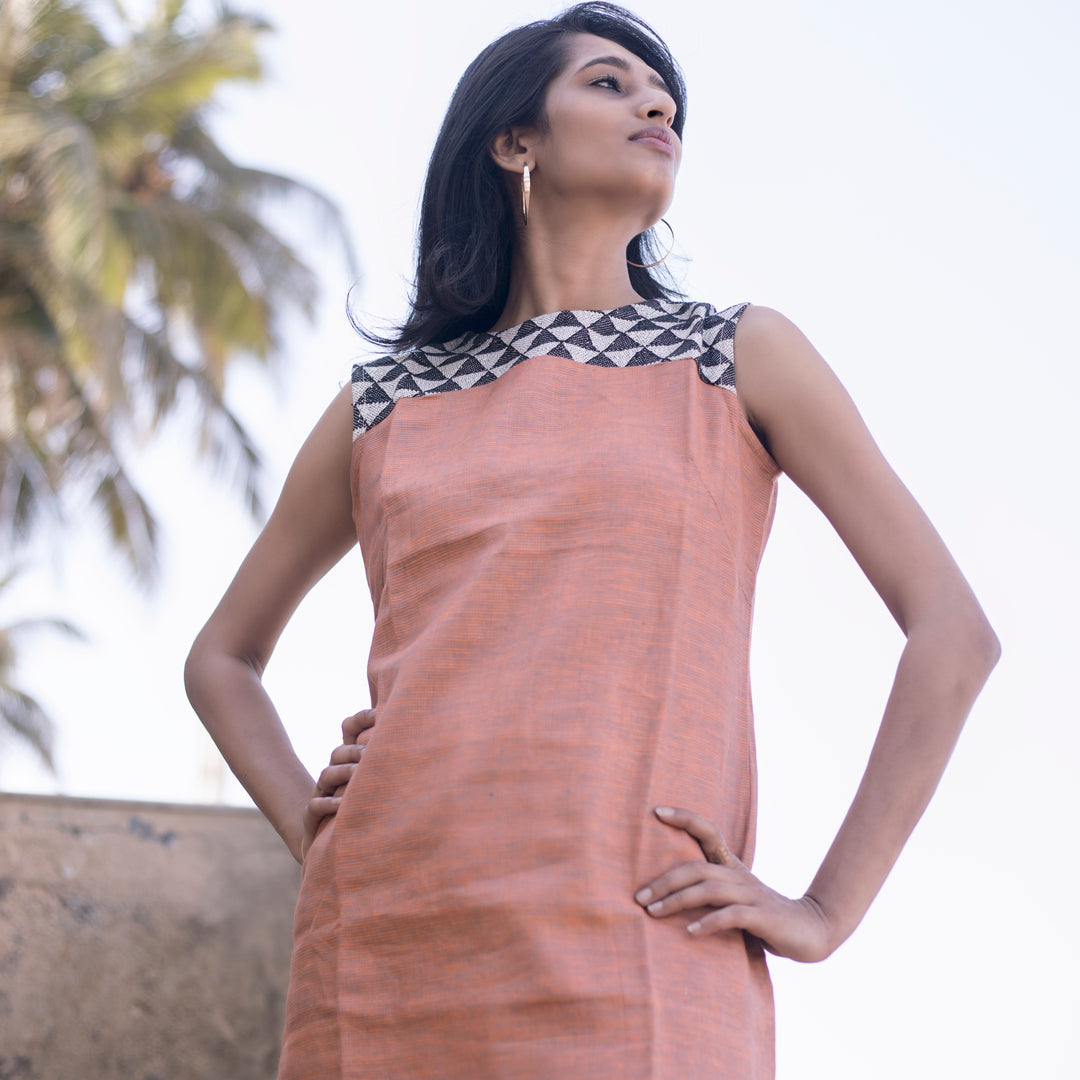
(134, 265)
(22, 716)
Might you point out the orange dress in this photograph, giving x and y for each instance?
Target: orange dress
(561, 525)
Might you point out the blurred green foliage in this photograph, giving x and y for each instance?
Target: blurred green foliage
(134, 264)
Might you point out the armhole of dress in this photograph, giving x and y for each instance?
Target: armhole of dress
(716, 365)
(719, 362)
(372, 397)
(734, 319)
(357, 422)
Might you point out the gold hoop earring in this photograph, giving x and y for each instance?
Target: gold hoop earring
(645, 266)
(526, 188)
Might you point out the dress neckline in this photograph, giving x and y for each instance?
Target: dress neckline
(638, 309)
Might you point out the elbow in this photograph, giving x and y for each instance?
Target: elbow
(961, 639)
(978, 645)
(211, 664)
(194, 666)
(199, 668)
(990, 646)
(982, 644)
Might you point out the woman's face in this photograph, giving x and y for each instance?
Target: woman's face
(597, 110)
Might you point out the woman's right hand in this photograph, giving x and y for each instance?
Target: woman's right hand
(326, 798)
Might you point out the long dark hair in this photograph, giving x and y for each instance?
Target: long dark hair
(466, 236)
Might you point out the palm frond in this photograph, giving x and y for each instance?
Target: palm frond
(17, 631)
(223, 440)
(131, 525)
(185, 74)
(23, 717)
(56, 159)
(26, 489)
(224, 182)
(222, 270)
(136, 259)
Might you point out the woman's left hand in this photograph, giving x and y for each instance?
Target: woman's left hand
(797, 929)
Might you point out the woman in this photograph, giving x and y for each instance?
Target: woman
(562, 480)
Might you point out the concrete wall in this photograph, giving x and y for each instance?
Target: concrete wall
(141, 941)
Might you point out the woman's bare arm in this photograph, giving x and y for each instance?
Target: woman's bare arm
(814, 432)
(816, 435)
(310, 529)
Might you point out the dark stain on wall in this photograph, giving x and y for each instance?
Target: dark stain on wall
(141, 941)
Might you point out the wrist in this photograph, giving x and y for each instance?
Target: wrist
(295, 832)
(832, 934)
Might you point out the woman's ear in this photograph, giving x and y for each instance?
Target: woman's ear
(511, 149)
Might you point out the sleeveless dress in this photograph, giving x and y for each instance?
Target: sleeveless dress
(561, 526)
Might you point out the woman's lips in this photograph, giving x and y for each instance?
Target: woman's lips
(660, 144)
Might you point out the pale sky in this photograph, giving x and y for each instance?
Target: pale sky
(899, 180)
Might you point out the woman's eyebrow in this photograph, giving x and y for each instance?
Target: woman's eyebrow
(622, 65)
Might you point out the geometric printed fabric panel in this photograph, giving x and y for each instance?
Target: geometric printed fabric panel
(647, 332)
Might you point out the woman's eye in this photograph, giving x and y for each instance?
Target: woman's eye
(608, 79)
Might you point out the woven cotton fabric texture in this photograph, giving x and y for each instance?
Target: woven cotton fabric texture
(561, 526)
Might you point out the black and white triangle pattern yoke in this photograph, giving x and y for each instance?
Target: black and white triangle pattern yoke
(647, 332)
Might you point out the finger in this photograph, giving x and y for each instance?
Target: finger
(712, 893)
(682, 877)
(708, 836)
(343, 754)
(732, 917)
(322, 806)
(353, 725)
(332, 777)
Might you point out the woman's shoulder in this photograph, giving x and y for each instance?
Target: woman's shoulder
(752, 329)
(768, 339)
(758, 320)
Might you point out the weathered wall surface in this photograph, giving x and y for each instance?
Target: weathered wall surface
(141, 941)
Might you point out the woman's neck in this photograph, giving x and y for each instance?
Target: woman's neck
(570, 269)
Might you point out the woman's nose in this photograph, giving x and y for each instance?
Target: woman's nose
(658, 107)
